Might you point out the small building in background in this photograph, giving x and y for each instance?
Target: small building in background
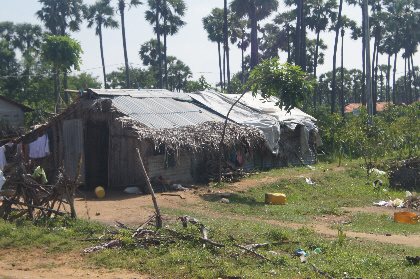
(12, 113)
(354, 108)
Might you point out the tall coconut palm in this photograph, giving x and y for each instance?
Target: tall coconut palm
(153, 15)
(122, 5)
(226, 39)
(172, 13)
(334, 71)
(60, 16)
(100, 15)
(213, 24)
(255, 11)
(239, 37)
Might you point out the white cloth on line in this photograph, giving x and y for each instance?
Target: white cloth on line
(2, 158)
(39, 148)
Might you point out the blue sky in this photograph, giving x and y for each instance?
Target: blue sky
(189, 45)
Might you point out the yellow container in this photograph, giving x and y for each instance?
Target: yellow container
(406, 217)
(275, 198)
(100, 192)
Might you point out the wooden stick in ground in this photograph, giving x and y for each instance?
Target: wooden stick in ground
(150, 188)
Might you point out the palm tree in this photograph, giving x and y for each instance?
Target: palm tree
(121, 7)
(153, 16)
(239, 37)
(213, 24)
(172, 13)
(255, 11)
(334, 81)
(226, 40)
(101, 15)
(59, 16)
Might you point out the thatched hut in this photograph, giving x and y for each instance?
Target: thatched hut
(178, 137)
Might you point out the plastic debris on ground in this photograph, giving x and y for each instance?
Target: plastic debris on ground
(224, 200)
(177, 187)
(377, 172)
(2, 179)
(309, 181)
(132, 190)
(391, 203)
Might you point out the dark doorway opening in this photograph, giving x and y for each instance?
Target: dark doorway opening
(96, 152)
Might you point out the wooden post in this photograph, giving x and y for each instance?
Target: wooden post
(149, 186)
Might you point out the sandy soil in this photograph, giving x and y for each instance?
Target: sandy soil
(36, 263)
(133, 210)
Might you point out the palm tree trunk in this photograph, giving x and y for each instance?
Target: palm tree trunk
(224, 69)
(289, 58)
(299, 6)
(57, 89)
(334, 81)
(394, 81)
(374, 67)
(102, 54)
(388, 74)
(410, 91)
(342, 104)
(363, 59)
(254, 37)
(405, 81)
(316, 53)
(127, 74)
(220, 65)
(381, 95)
(165, 48)
(159, 51)
(315, 66)
(243, 59)
(368, 68)
(303, 38)
(415, 79)
(226, 40)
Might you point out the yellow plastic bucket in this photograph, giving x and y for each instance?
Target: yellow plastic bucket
(406, 217)
(275, 198)
(100, 192)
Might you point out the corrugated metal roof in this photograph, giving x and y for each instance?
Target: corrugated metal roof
(163, 112)
(140, 93)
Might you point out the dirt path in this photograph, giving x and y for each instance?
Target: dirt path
(36, 263)
(134, 210)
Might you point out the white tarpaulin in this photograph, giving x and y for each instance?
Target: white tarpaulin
(242, 114)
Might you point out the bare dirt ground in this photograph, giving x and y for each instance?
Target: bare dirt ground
(36, 264)
(133, 210)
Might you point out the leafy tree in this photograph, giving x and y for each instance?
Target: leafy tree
(83, 81)
(63, 53)
(255, 11)
(273, 40)
(178, 74)
(100, 15)
(122, 5)
(213, 24)
(140, 78)
(197, 85)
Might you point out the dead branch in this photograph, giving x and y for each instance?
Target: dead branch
(150, 188)
(173, 195)
(252, 252)
(321, 272)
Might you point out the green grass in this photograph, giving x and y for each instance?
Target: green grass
(380, 224)
(340, 257)
(190, 260)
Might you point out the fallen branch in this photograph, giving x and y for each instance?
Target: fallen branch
(252, 252)
(322, 272)
(173, 195)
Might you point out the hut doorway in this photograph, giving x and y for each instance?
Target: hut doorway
(96, 151)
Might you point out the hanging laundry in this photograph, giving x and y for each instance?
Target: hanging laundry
(2, 157)
(39, 148)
